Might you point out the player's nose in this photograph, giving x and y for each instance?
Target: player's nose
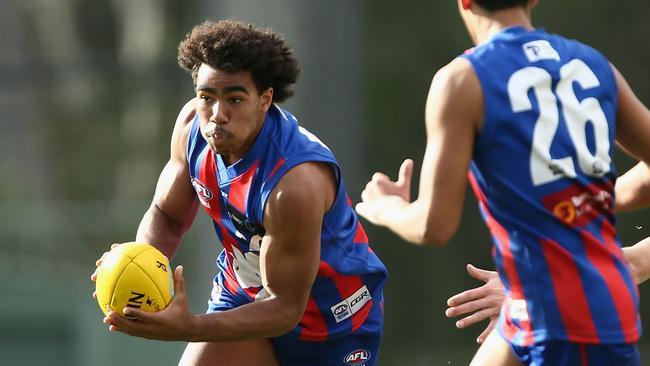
(219, 113)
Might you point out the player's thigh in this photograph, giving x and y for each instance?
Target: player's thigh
(244, 353)
(494, 351)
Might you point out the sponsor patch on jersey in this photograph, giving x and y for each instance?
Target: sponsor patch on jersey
(540, 50)
(351, 305)
(518, 310)
(357, 357)
(204, 193)
(578, 206)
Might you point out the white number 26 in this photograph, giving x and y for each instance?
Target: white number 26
(543, 168)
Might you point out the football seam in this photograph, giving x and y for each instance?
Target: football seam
(151, 279)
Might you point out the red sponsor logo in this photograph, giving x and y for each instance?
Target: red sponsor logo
(357, 357)
(578, 205)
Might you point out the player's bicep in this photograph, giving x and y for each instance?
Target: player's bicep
(453, 115)
(174, 194)
(633, 121)
(293, 217)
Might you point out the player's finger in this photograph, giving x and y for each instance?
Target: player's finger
(405, 173)
(480, 274)
(114, 245)
(474, 318)
(179, 282)
(465, 308)
(378, 176)
(95, 295)
(140, 315)
(485, 332)
(466, 296)
(101, 259)
(360, 208)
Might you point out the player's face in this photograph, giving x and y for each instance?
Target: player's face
(231, 110)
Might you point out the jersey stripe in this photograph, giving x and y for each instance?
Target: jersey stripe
(569, 293)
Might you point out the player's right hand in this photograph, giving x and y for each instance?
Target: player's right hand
(93, 277)
(480, 303)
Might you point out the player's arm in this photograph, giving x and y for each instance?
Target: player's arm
(289, 261)
(454, 113)
(632, 133)
(174, 204)
(638, 257)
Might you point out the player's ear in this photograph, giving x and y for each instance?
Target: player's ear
(532, 4)
(466, 4)
(266, 99)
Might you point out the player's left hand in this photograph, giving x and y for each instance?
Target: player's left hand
(174, 323)
(381, 193)
(482, 302)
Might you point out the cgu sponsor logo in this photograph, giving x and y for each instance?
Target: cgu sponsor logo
(363, 295)
(340, 309)
(357, 357)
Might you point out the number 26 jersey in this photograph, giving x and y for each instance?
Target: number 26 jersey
(542, 171)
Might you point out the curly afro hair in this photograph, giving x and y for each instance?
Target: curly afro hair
(232, 46)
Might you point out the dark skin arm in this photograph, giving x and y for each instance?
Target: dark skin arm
(174, 204)
(289, 260)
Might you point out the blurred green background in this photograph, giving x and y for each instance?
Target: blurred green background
(89, 91)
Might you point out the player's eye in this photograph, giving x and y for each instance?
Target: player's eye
(205, 98)
(236, 100)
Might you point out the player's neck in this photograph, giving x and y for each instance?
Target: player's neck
(485, 27)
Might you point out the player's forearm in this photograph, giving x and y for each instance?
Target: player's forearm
(159, 230)
(260, 319)
(417, 223)
(633, 188)
(638, 258)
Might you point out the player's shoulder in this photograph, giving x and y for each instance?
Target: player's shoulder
(183, 126)
(457, 76)
(187, 113)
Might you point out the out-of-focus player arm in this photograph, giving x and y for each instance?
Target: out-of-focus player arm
(633, 188)
(632, 133)
(289, 261)
(454, 114)
(174, 204)
(638, 257)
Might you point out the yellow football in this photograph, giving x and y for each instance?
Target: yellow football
(134, 275)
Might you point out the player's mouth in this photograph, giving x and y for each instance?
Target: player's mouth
(214, 132)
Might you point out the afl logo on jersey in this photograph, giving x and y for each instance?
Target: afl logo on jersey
(204, 193)
(340, 309)
(357, 357)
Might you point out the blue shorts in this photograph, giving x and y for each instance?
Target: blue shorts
(564, 353)
(360, 348)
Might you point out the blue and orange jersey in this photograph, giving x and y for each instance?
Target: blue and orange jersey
(543, 173)
(350, 275)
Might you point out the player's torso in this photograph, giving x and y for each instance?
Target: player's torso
(234, 197)
(543, 172)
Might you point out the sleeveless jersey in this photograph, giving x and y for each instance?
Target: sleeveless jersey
(543, 174)
(350, 276)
